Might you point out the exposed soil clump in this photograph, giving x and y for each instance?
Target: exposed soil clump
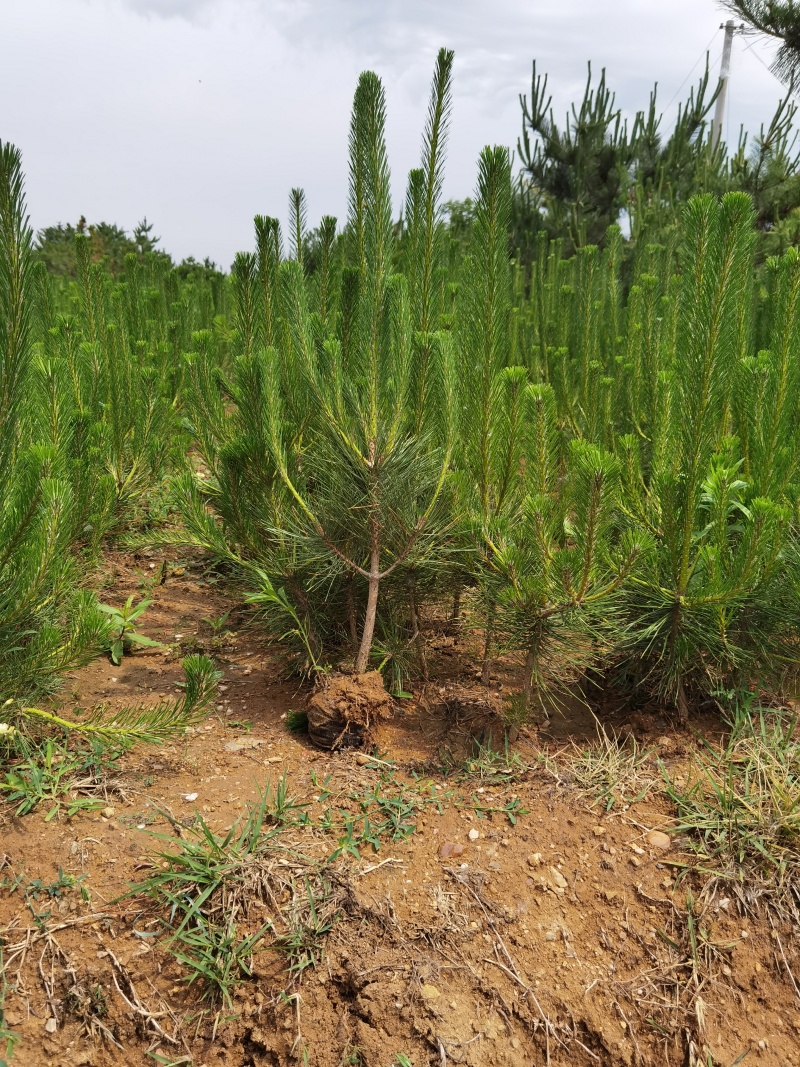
(342, 712)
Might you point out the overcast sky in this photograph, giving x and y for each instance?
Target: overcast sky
(202, 113)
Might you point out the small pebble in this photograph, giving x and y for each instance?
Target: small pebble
(190, 796)
(659, 840)
(558, 878)
(450, 848)
(474, 834)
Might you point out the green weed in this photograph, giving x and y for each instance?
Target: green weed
(512, 809)
(495, 766)
(217, 625)
(124, 635)
(386, 812)
(54, 777)
(207, 887)
(297, 722)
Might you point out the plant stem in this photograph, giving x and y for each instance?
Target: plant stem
(527, 679)
(351, 614)
(487, 646)
(362, 659)
(415, 629)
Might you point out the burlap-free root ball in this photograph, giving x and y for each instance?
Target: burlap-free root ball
(344, 708)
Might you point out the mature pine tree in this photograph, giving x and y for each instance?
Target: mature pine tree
(779, 19)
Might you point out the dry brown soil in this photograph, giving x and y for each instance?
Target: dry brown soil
(561, 939)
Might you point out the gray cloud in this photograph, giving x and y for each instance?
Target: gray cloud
(190, 10)
(201, 113)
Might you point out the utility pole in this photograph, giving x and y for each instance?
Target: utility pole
(724, 77)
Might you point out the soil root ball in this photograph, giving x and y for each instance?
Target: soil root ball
(345, 707)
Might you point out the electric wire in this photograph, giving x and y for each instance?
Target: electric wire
(691, 72)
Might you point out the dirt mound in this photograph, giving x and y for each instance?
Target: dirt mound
(345, 708)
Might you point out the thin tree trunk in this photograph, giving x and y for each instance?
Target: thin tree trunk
(351, 614)
(455, 615)
(362, 659)
(415, 630)
(487, 647)
(681, 703)
(527, 680)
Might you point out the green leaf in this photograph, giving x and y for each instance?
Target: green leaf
(145, 642)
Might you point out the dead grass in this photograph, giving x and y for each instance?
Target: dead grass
(740, 810)
(614, 771)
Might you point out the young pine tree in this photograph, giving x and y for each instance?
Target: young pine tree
(365, 487)
(712, 604)
(557, 569)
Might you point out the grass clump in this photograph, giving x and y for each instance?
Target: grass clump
(220, 897)
(494, 766)
(612, 771)
(741, 809)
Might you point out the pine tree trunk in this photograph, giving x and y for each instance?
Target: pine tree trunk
(416, 634)
(527, 680)
(681, 703)
(455, 615)
(362, 659)
(487, 647)
(351, 614)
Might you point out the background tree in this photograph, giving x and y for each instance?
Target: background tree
(580, 179)
(779, 19)
(55, 245)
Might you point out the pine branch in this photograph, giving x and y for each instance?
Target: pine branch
(142, 723)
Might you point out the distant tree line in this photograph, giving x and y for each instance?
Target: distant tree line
(108, 243)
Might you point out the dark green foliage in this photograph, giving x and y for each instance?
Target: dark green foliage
(780, 20)
(107, 243)
(595, 442)
(46, 625)
(578, 174)
(579, 180)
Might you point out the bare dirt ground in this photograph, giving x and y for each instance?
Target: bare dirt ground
(510, 917)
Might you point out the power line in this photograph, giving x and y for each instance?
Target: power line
(694, 68)
(764, 65)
